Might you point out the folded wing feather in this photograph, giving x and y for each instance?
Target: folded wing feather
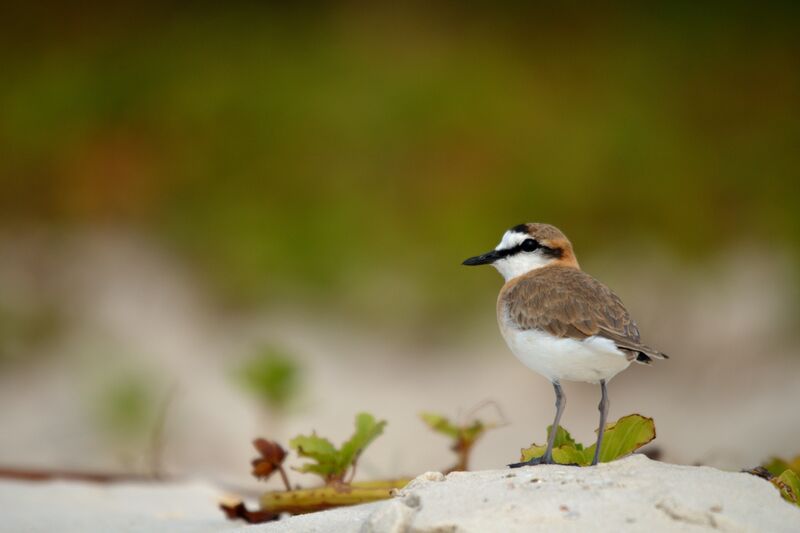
(567, 302)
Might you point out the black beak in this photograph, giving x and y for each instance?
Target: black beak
(485, 259)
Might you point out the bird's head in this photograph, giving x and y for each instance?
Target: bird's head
(527, 247)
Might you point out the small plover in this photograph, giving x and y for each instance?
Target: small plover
(560, 321)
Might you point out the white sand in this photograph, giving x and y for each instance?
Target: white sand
(68, 506)
(633, 494)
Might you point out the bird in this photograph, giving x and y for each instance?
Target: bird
(559, 321)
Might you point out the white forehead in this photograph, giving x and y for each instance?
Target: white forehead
(511, 239)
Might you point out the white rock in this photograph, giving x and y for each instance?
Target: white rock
(632, 494)
(395, 516)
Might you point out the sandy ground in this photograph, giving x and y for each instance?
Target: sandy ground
(70, 507)
(632, 494)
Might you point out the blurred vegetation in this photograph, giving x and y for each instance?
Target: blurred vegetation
(343, 154)
(25, 331)
(777, 465)
(462, 436)
(125, 408)
(785, 475)
(273, 375)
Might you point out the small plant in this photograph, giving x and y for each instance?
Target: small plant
(785, 475)
(621, 438)
(336, 466)
(331, 463)
(463, 435)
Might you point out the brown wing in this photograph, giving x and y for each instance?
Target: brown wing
(567, 302)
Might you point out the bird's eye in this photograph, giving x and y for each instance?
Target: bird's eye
(529, 245)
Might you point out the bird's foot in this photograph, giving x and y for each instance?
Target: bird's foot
(542, 460)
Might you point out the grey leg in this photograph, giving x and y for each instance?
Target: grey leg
(547, 458)
(561, 402)
(603, 407)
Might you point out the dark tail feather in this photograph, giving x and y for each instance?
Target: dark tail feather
(647, 357)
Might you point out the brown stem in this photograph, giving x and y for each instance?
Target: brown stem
(463, 449)
(284, 477)
(46, 475)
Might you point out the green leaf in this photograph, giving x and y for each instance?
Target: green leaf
(621, 438)
(320, 450)
(563, 438)
(533, 451)
(332, 463)
(777, 465)
(441, 424)
(565, 449)
(563, 455)
(471, 433)
(367, 430)
(789, 484)
(326, 470)
(572, 456)
(624, 437)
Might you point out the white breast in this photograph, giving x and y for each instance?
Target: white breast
(589, 360)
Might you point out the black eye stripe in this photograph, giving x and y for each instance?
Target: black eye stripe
(510, 251)
(546, 250)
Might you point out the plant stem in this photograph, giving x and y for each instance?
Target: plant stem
(284, 477)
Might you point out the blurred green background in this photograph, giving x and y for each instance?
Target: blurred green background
(321, 150)
(344, 158)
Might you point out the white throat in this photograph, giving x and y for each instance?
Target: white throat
(521, 263)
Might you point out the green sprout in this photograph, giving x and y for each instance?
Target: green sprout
(331, 463)
(463, 435)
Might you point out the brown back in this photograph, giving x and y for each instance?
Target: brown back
(567, 302)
